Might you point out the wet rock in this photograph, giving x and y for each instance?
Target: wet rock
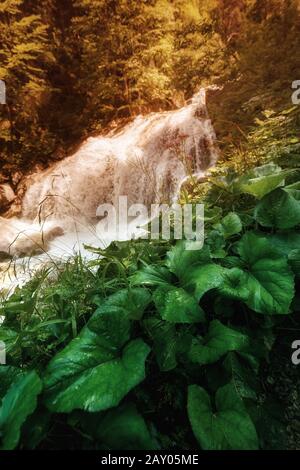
(7, 196)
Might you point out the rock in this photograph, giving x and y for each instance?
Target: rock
(16, 177)
(7, 196)
(18, 238)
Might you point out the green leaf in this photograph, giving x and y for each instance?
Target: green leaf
(263, 180)
(220, 340)
(203, 278)
(216, 242)
(131, 302)
(99, 367)
(284, 242)
(180, 259)
(88, 377)
(17, 404)
(177, 306)
(229, 427)
(293, 186)
(8, 337)
(278, 209)
(258, 182)
(7, 375)
(152, 276)
(287, 243)
(263, 171)
(294, 261)
(124, 428)
(234, 285)
(165, 341)
(270, 281)
(212, 214)
(241, 375)
(230, 225)
(194, 268)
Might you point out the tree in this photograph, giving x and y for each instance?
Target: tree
(24, 55)
(126, 55)
(200, 50)
(71, 70)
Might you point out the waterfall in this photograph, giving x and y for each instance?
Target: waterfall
(147, 161)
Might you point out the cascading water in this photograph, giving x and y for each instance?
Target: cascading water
(146, 161)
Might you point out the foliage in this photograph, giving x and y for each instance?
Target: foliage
(94, 61)
(163, 346)
(25, 54)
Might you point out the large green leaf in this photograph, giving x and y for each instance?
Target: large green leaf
(194, 269)
(17, 404)
(284, 242)
(258, 181)
(263, 171)
(219, 340)
(124, 428)
(279, 209)
(227, 427)
(131, 302)
(234, 285)
(202, 279)
(262, 180)
(88, 376)
(99, 367)
(230, 225)
(270, 281)
(287, 243)
(152, 276)
(177, 306)
(181, 260)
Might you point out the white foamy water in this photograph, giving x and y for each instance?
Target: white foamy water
(147, 161)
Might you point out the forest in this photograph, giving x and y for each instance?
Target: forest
(147, 345)
(72, 68)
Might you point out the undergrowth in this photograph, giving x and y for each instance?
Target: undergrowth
(159, 345)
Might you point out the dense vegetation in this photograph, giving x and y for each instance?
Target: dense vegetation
(71, 70)
(158, 346)
(152, 345)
